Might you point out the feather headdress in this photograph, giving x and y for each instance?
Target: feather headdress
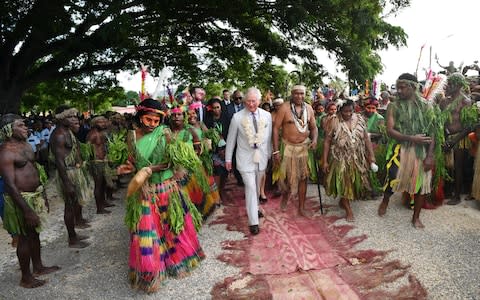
(437, 85)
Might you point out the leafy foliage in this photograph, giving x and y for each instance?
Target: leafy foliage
(52, 40)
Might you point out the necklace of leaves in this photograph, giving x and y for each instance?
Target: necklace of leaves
(300, 120)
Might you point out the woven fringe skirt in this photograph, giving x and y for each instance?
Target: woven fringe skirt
(156, 252)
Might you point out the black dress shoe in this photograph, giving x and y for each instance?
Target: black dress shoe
(254, 229)
(260, 214)
(262, 200)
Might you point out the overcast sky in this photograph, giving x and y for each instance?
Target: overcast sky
(450, 28)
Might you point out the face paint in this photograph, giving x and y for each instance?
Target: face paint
(150, 122)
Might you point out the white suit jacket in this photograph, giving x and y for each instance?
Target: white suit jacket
(238, 137)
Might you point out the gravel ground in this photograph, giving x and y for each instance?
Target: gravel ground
(445, 256)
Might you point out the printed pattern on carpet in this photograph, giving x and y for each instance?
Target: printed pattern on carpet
(298, 258)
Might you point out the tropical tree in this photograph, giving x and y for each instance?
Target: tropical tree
(42, 40)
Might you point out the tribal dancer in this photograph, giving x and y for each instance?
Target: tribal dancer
(217, 122)
(99, 165)
(376, 130)
(74, 183)
(161, 218)
(413, 123)
(296, 120)
(196, 184)
(207, 143)
(453, 108)
(25, 206)
(347, 156)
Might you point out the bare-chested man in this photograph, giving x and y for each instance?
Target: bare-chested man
(296, 120)
(24, 201)
(452, 105)
(73, 182)
(99, 165)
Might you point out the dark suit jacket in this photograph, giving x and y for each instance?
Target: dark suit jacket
(231, 109)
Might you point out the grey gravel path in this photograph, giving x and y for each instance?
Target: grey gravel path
(445, 256)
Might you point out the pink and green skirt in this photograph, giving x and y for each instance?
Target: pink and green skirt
(156, 250)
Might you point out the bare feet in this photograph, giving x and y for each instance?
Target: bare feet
(349, 217)
(77, 244)
(382, 209)
(304, 213)
(82, 223)
(45, 270)
(283, 204)
(32, 282)
(417, 224)
(103, 212)
(82, 226)
(454, 201)
(108, 204)
(345, 204)
(81, 237)
(14, 241)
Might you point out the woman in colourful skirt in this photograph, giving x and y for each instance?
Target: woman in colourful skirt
(161, 218)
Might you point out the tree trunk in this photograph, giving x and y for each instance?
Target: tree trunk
(10, 98)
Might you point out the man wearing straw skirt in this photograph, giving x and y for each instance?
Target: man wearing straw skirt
(72, 178)
(25, 206)
(411, 122)
(99, 167)
(296, 120)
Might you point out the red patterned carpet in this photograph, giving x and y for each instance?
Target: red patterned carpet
(298, 258)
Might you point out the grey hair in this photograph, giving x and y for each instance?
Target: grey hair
(254, 91)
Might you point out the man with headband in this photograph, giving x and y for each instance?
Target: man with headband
(73, 180)
(99, 167)
(299, 133)
(411, 123)
(25, 206)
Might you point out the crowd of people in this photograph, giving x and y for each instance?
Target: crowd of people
(179, 154)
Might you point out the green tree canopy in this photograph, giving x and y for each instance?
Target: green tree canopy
(43, 40)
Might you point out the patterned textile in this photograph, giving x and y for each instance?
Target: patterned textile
(156, 251)
(162, 220)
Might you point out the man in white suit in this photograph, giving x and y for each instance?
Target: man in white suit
(251, 131)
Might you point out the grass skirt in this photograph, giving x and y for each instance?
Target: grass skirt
(411, 177)
(156, 251)
(13, 220)
(81, 180)
(347, 181)
(294, 166)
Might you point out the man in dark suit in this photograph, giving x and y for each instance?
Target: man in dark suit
(198, 95)
(225, 100)
(236, 105)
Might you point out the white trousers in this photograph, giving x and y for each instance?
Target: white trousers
(252, 192)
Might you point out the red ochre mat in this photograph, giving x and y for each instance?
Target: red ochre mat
(298, 258)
